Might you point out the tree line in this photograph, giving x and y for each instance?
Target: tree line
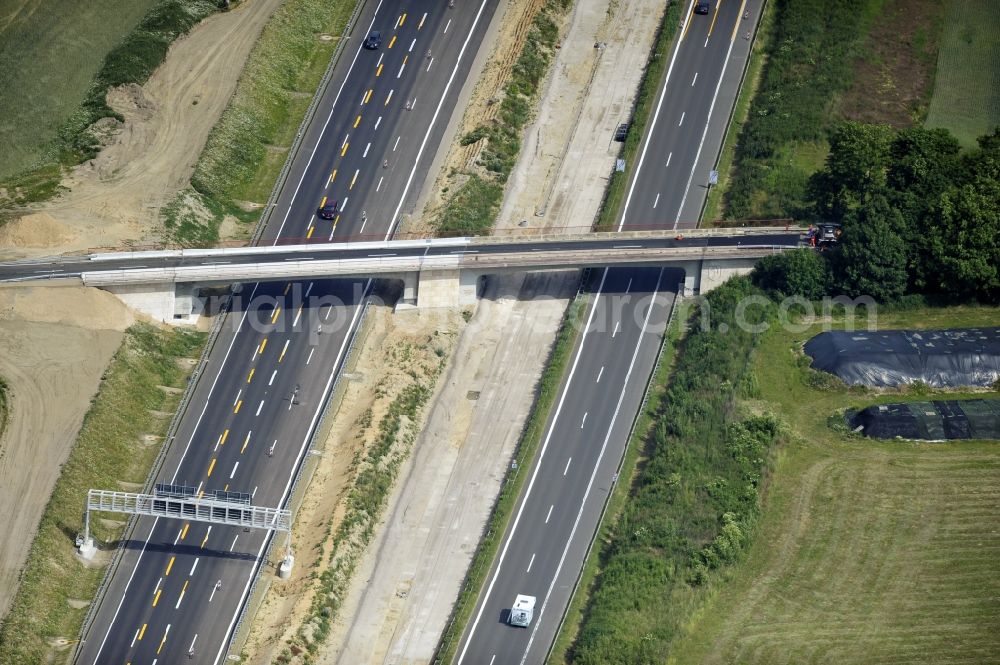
(919, 217)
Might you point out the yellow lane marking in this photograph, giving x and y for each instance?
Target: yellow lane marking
(211, 467)
(388, 98)
(336, 219)
(184, 590)
(392, 41)
(310, 233)
(687, 25)
(333, 176)
(422, 19)
(245, 442)
(405, 58)
(343, 150)
(205, 539)
(402, 20)
(736, 26)
(289, 285)
(170, 564)
(378, 72)
(357, 121)
(250, 375)
(163, 641)
(222, 439)
(236, 409)
(368, 95)
(354, 179)
(156, 598)
(715, 16)
(184, 531)
(283, 350)
(274, 317)
(225, 488)
(323, 201)
(142, 631)
(263, 344)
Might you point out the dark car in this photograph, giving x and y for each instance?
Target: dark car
(622, 132)
(328, 211)
(373, 40)
(702, 7)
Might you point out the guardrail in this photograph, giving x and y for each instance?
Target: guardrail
(154, 471)
(617, 476)
(306, 120)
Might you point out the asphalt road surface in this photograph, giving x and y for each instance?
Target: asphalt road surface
(74, 267)
(547, 541)
(181, 587)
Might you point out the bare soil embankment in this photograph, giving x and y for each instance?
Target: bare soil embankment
(53, 352)
(116, 197)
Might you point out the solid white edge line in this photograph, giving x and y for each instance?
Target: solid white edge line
(145, 543)
(704, 133)
(531, 483)
(652, 125)
(302, 451)
(593, 474)
(430, 127)
(322, 132)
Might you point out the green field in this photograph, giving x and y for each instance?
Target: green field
(966, 96)
(867, 552)
(49, 53)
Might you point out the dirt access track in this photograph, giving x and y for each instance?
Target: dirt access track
(117, 196)
(55, 343)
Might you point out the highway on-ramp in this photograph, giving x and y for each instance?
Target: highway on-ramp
(181, 587)
(548, 538)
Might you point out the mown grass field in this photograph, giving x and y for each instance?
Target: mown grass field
(49, 53)
(966, 97)
(867, 552)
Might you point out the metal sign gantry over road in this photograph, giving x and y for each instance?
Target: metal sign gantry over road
(225, 508)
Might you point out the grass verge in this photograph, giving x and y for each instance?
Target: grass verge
(472, 210)
(247, 148)
(762, 45)
(375, 476)
(868, 551)
(634, 457)
(693, 507)
(815, 44)
(133, 60)
(482, 561)
(656, 67)
(966, 98)
(55, 588)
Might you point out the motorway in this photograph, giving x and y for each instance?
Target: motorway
(140, 263)
(547, 541)
(181, 588)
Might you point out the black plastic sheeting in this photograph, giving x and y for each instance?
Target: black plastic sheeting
(932, 421)
(889, 358)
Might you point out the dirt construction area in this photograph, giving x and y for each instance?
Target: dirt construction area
(401, 598)
(53, 352)
(116, 197)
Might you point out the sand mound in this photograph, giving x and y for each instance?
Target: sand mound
(36, 230)
(77, 306)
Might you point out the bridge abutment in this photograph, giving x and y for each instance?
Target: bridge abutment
(168, 302)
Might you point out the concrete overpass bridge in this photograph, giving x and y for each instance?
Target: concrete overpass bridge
(435, 272)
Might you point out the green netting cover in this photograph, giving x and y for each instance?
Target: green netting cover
(932, 421)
